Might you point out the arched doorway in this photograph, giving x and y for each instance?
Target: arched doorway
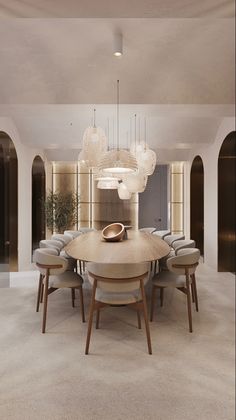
(197, 203)
(8, 204)
(226, 204)
(38, 198)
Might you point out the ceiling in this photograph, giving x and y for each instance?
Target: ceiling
(177, 70)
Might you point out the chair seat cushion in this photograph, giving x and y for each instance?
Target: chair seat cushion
(66, 279)
(168, 279)
(114, 298)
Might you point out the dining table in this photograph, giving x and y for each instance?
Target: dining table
(136, 248)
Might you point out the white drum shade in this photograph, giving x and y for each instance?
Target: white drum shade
(118, 161)
(109, 184)
(94, 145)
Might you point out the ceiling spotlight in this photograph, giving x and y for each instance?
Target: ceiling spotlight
(118, 45)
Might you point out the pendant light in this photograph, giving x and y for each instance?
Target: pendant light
(118, 161)
(123, 192)
(146, 158)
(94, 143)
(108, 184)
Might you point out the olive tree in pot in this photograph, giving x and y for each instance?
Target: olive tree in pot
(61, 210)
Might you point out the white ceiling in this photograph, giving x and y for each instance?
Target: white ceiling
(177, 69)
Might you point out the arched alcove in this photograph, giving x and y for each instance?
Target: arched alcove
(8, 204)
(226, 204)
(38, 198)
(197, 203)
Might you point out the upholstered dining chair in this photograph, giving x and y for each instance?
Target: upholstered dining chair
(115, 285)
(181, 275)
(170, 239)
(177, 246)
(148, 229)
(73, 233)
(54, 275)
(58, 245)
(161, 233)
(64, 238)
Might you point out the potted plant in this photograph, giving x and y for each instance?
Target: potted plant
(61, 210)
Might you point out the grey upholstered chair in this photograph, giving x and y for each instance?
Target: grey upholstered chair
(54, 275)
(64, 238)
(180, 275)
(170, 239)
(115, 285)
(86, 229)
(177, 246)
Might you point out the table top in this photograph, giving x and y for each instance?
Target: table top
(138, 247)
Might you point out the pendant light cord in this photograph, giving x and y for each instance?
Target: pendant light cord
(94, 118)
(135, 128)
(118, 100)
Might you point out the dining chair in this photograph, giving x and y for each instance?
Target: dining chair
(148, 229)
(73, 233)
(180, 275)
(64, 238)
(177, 246)
(170, 239)
(53, 276)
(161, 233)
(115, 285)
(58, 245)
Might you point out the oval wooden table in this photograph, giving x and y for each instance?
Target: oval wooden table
(138, 247)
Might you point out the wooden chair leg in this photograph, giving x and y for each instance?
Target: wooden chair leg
(97, 318)
(90, 322)
(42, 293)
(45, 303)
(80, 267)
(73, 297)
(139, 320)
(162, 295)
(189, 304)
(152, 302)
(39, 292)
(145, 314)
(81, 295)
(195, 291)
(155, 267)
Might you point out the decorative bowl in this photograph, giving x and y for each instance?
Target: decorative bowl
(113, 232)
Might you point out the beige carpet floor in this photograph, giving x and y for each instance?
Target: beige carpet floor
(48, 377)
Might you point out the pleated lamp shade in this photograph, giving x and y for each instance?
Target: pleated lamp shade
(147, 160)
(136, 182)
(94, 145)
(108, 184)
(138, 147)
(123, 192)
(118, 161)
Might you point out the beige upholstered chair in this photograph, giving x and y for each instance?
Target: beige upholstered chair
(181, 275)
(177, 246)
(161, 233)
(148, 229)
(170, 239)
(54, 275)
(73, 233)
(58, 245)
(118, 284)
(86, 229)
(64, 238)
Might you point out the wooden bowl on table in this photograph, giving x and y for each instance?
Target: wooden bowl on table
(114, 232)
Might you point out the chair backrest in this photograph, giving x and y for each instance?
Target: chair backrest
(86, 229)
(73, 233)
(148, 229)
(170, 239)
(184, 243)
(185, 257)
(118, 277)
(50, 243)
(65, 239)
(161, 233)
(47, 257)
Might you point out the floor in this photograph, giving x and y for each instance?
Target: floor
(189, 376)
